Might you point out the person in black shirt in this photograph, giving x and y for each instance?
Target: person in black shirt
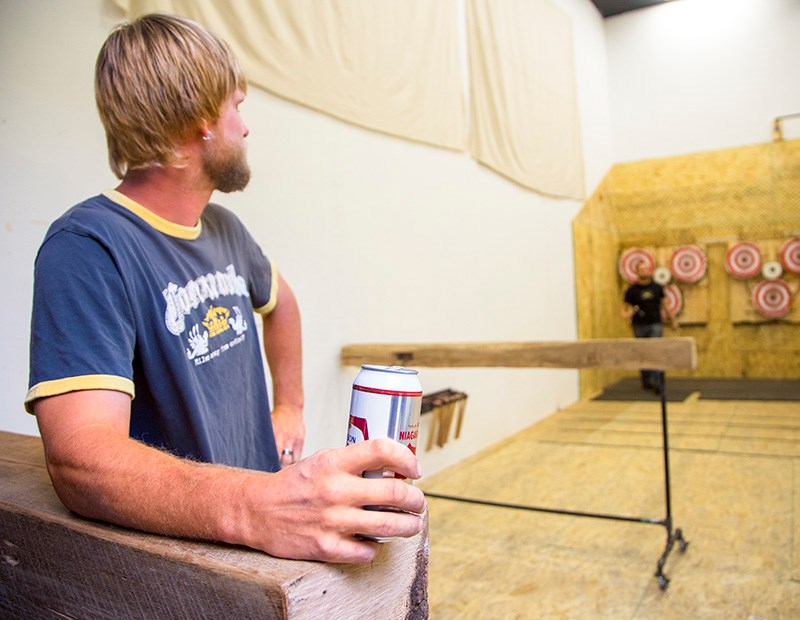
(643, 306)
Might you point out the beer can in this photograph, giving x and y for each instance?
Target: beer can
(385, 402)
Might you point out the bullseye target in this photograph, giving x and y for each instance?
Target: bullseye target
(772, 270)
(688, 264)
(790, 255)
(772, 298)
(662, 276)
(743, 260)
(632, 257)
(673, 298)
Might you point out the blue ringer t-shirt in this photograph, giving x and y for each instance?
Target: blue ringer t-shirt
(126, 300)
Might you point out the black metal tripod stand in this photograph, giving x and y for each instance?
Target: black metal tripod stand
(673, 535)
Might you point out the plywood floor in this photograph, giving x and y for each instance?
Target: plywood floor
(735, 470)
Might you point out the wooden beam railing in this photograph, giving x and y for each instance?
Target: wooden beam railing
(621, 353)
(54, 564)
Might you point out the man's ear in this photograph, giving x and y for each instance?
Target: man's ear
(204, 130)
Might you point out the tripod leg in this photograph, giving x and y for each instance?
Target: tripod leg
(672, 538)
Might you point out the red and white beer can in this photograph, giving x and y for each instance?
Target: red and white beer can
(385, 402)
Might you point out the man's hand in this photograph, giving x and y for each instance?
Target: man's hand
(628, 311)
(314, 509)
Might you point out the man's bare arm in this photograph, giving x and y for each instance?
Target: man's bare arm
(284, 351)
(310, 510)
(628, 311)
(673, 322)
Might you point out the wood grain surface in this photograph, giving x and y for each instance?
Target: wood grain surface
(55, 564)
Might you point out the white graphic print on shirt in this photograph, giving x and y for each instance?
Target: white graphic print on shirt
(181, 300)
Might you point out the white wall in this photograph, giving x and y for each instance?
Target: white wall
(383, 240)
(52, 154)
(699, 75)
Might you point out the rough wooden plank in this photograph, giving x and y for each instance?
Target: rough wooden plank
(621, 353)
(55, 564)
(21, 449)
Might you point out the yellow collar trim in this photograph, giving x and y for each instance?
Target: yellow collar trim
(156, 221)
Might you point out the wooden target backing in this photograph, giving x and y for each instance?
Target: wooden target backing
(753, 299)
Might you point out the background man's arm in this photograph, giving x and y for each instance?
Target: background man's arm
(668, 313)
(628, 311)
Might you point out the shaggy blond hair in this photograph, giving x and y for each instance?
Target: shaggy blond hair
(156, 79)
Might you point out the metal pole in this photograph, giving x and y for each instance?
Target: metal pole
(676, 535)
(663, 391)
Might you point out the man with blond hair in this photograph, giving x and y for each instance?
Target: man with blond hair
(146, 374)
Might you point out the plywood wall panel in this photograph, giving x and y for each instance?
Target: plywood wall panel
(595, 246)
(711, 199)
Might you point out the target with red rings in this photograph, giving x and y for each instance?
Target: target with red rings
(790, 255)
(772, 298)
(632, 257)
(743, 260)
(673, 299)
(688, 264)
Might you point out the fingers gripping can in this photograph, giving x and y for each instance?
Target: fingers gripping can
(385, 402)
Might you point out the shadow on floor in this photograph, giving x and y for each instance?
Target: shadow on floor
(678, 389)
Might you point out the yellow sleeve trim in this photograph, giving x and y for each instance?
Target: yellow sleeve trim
(273, 292)
(156, 221)
(74, 384)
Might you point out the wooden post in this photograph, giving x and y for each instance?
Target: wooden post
(55, 564)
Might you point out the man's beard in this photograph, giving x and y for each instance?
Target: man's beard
(226, 168)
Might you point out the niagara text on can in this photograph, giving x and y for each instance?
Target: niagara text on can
(385, 402)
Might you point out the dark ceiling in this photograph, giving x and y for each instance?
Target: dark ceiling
(609, 8)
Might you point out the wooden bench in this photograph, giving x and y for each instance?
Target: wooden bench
(55, 564)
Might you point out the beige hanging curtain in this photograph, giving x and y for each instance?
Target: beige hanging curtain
(394, 66)
(389, 65)
(525, 122)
